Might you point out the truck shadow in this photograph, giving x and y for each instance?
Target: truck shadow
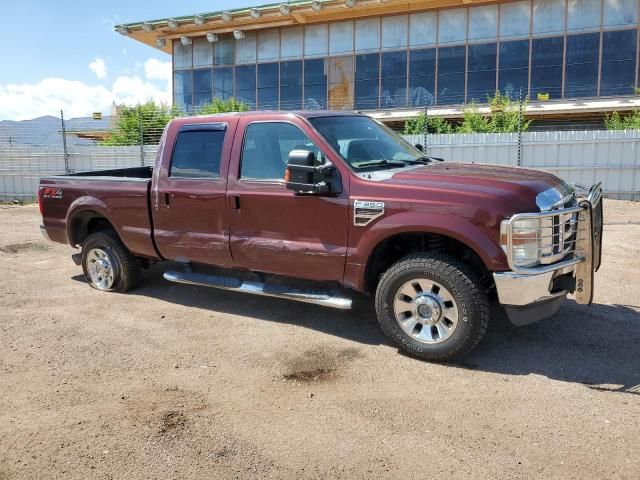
(597, 346)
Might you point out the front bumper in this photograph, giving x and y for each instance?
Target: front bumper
(530, 294)
(523, 289)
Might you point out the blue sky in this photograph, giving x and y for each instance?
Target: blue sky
(48, 47)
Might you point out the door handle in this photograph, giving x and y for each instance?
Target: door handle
(167, 198)
(235, 202)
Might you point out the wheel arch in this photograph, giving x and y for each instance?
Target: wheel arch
(87, 215)
(442, 233)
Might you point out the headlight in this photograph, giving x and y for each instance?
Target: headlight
(525, 241)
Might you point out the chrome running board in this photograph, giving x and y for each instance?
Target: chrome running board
(326, 298)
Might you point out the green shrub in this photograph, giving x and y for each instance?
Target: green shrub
(615, 121)
(415, 126)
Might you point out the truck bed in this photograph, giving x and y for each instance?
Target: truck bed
(68, 203)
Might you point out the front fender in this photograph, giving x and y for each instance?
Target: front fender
(481, 237)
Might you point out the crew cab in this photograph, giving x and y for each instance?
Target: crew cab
(310, 206)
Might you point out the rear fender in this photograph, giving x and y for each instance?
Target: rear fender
(86, 204)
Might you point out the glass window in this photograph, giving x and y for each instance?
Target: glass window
(483, 22)
(453, 25)
(451, 62)
(548, 16)
(423, 28)
(266, 149)
(515, 19)
(422, 77)
(514, 68)
(481, 71)
(291, 42)
(268, 86)
(291, 85)
(367, 34)
(202, 52)
(366, 144)
(182, 55)
(394, 31)
(394, 79)
(315, 84)
(201, 87)
(618, 75)
(268, 45)
(340, 37)
(581, 69)
(223, 82)
(367, 76)
(197, 154)
(546, 67)
(341, 70)
(246, 49)
(246, 84)
(316, 40)
(583, 14)
(183, 90)
(620, 12)
(224, 50)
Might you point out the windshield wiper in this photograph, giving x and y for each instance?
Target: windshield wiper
(381, 163)
(425, 160)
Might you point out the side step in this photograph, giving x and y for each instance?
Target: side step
(325, 298)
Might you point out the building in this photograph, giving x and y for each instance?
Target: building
(575, 59)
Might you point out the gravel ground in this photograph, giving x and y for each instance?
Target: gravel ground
(173, 381)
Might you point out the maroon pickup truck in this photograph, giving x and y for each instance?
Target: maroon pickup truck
(311, 205)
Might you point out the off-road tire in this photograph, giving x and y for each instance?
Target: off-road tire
(127, 267)
(462, 283)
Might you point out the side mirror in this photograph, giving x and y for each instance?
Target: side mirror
(419, 147)
(304, 176)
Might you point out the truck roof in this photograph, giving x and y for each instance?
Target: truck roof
(266, 115)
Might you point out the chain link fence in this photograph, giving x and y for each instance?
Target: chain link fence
(128, 138)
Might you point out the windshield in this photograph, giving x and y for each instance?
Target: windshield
(366, 144)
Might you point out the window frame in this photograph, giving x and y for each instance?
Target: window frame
(199, 127)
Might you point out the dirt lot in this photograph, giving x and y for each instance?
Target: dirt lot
(173, 381)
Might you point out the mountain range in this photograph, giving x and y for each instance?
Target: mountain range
(46, 131)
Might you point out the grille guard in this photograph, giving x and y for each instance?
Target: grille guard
(588, 236)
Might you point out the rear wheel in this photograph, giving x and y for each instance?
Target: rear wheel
(432, 306)
(108, 265)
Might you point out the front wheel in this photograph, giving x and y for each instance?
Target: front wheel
(432, 306)
(107, 263)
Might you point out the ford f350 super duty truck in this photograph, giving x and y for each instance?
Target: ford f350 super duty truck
(310, 205)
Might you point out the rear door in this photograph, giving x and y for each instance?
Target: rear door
(272, 229)
(190, 202)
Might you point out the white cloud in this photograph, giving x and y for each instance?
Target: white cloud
(99, 68)
(77, 99)
(154, 69)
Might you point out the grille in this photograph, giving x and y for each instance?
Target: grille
(558, 234)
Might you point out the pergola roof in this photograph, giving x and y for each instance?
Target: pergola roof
(275, 15)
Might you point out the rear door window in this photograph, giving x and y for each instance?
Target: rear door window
(197, 152)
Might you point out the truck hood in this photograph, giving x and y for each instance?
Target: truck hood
(519, 186)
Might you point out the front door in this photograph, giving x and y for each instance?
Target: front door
(190, 207)
(271, 228)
